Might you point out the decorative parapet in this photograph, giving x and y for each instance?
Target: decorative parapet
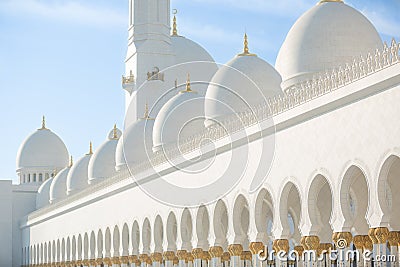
(297, 95)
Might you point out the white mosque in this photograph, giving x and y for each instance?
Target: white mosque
(217, 163)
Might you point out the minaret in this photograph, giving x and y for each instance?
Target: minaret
(149, 50)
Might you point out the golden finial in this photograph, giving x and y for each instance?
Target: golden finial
(115, 132)
(43, 123)
(174, 27)
(146, 115)
(188, 85)
(71, 162)
(246, 47)
(90, 148)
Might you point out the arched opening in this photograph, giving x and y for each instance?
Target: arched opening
(264, 216)
(107, 243)
(158, 234)
(186, 230)
(125, 240)
(100, 244)
(116, 241)
(146, 236)
(135, 238)
(202, 227)
(54, 251)
(63, 250)
(241, 221)
(220, 223)
(73, 249)
(68, 250)
(79, 247)
(92, 246)
(354, 196)
(389, 199)
(86, 247)
(320, 208)
(172, 229)
(290, 214)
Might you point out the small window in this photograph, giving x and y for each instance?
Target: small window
(34, 178)
(40, 177)
(29, 178)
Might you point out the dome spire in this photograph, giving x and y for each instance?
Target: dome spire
(43, 123)
(246, 47)
(115, 132)
(175, 26)
(146, 115)
(188, 86)
(90, 148)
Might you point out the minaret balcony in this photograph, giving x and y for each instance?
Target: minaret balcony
(129, 82)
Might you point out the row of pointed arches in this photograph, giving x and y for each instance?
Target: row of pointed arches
(345, 205)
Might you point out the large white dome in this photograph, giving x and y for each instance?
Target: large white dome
(78, 175)
(58, 188)
(43, 195)
(102, 163)
(135, 145)
(43, 149)
(181, 117)
(242, 83)
(328, 35)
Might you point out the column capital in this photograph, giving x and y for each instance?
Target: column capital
(381, 234)
(299, 250)
(367, 245)
(394, 238)
(143, 257)
(99, 261)
(281, 245)
(358, 241)
(175, 261)
(235, 249)
(197, 253)
(168, 255)
(226, 256)
(132, 258)
(324, 247)
(343, 239)
(246, 255)
(181, 254)
(115, 260)
(371, 234)
(256, 247)
(124, 259)
(156, 257)
(189, 257)
(216, 251)
(311, 242)
(206, 256)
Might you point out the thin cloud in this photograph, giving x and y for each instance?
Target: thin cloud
(66, 11)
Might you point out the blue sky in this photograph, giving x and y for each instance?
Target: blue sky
(64, 58)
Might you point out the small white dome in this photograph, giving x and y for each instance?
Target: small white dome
(328, 35)
(243, 82)
(135, 145)
(181, 117)
(43, 149)
(186, 50)
(43, 195)
(102, 163)
(58, 188)
(77, 178)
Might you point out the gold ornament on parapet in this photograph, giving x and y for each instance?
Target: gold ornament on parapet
(235, 250)
(216, 251)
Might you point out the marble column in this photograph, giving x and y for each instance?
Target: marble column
(342, 242)
(156, 258)
(235, 251)
(299, 255)
(198, 257)
(169, 257)
(281, 248)
(257, 249)
(379, 237)
(394, 241)
(182, 255)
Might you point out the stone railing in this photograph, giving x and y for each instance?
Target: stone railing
(295, 96)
